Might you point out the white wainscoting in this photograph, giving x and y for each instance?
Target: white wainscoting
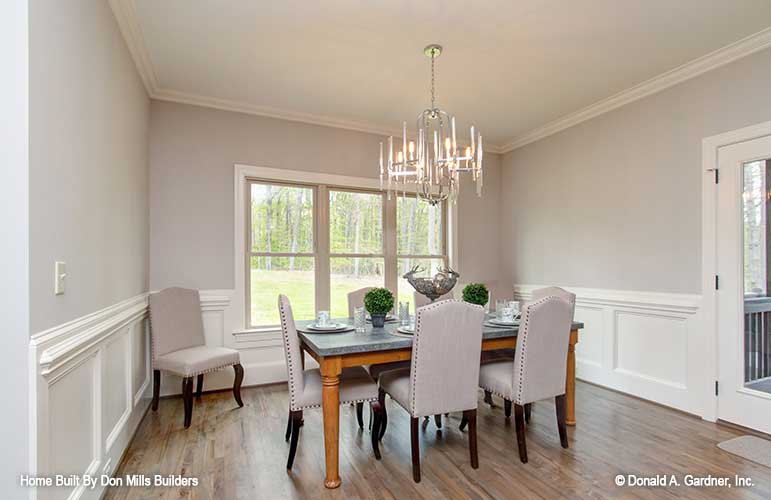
(90, 387)
(646, 344)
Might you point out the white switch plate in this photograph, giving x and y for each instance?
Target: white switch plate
(60, 274)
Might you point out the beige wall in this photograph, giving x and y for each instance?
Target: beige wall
(88, 162)
(192, 154)
(615, 202)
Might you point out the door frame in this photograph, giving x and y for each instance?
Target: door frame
(709, 163)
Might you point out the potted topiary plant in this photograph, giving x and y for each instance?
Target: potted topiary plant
(378, 302)
(476, 293)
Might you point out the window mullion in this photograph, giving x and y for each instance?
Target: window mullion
(322, 264)
(389, 244)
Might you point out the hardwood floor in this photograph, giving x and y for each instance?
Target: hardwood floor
(241, 453)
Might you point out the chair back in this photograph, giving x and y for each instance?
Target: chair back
(356, 299)
(292, 351)
(421, 300)
(175, 320)
(445, 358)
(542, 348)
(557, 292)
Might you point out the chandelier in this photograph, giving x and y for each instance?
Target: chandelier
(432, 166)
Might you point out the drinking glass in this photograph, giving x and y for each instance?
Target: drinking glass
(360, 319)
(404, 313)
(514, 304)
(507, 314)
(500, 305)
(323, 318)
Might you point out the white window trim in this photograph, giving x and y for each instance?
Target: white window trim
(245, 172)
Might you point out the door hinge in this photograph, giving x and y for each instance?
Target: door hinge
(717, 282)
(717, 176)
(717, 387)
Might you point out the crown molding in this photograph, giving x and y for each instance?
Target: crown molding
(125, 15)
(708, 62)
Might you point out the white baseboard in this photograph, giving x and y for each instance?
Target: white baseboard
(642, 343)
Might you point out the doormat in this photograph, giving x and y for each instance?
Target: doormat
(750, 447)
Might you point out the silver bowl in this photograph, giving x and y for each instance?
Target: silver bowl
(435, 287)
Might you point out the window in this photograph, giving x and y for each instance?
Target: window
(281, 251)
(420, 241)
(357, 259)
(754, 213)
(316, 243)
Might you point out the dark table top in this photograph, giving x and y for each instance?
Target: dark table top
(379, 339)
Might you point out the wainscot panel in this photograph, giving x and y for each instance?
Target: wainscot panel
(642, 343)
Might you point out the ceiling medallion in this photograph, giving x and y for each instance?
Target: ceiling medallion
(432, 166)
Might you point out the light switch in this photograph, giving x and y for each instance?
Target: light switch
(60, 273)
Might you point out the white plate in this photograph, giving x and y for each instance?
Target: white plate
(496, 321)
(329, 327)
(406, 330)
(388, 318)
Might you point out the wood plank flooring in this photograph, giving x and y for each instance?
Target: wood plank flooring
(241, 454)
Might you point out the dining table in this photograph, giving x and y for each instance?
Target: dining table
(335, 351)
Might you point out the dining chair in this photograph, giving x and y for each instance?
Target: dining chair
(179, 346)
(537, 295)
(305, 385)
(444, 369)
(538, 369)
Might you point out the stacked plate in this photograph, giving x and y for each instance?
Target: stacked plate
(406, 330)
(499, 322)
(330, 328)
(389, 318)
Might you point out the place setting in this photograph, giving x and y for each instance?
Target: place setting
(323, 324)
(507, 314)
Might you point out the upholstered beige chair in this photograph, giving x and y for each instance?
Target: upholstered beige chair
(538, 369)
(356, 299)
(179, 347)
(444, 368)
(538, 294)
(356, 386)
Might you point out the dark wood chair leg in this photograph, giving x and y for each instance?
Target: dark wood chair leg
(295, 417)
(463, 422)
(199, 387)
(237, 383)
(489, 398)
(559, 402)
(288, 427)
(384, 415)
(507, 408)
(377, 417)
(528, 410)
(187, 396)
(360, 414)
(438, 421)
(471, 417)
(156, 388)
(415, 449)
(519, 422)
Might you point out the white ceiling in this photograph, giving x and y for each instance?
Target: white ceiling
(511, 66)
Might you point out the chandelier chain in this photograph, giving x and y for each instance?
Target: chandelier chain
(433, 80)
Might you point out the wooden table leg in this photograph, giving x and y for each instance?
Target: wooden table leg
(570, 381)
(330, 400)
